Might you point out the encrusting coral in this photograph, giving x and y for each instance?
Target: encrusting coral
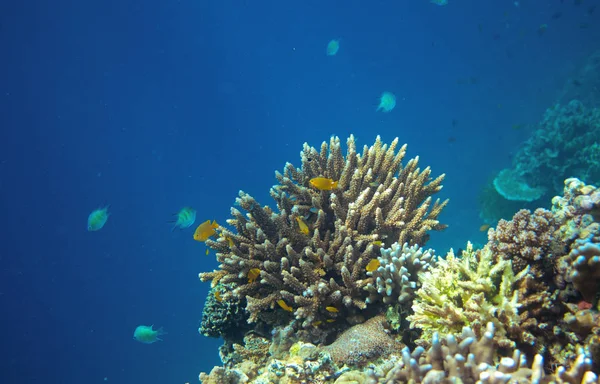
(310, 256)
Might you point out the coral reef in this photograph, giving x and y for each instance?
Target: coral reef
(584, 83)
(334, 285)
(466, 358)
(564, 144)
(309, 258)
(470, 290)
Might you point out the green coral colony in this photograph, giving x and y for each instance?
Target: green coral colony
(333, 285)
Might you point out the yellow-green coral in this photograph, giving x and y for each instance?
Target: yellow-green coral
(468, 290)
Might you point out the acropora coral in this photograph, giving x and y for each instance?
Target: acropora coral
(316, 270)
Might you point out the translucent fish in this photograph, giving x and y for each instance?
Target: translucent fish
(145, 334)
(387, 102)
(97, 219)
(185, 218)
(333, 47)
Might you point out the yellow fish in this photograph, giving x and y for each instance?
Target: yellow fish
(218, 296)
(484, 227)
(373, 265)
(253, 274)
(97, 219)
(184, 218)
(323, 183)
(378, 243)
(302, 225)
(205, 230)
(332, 309)
(284, 306)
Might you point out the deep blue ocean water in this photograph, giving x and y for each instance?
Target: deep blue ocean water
(152, 106)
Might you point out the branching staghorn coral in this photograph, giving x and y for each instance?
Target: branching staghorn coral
(470, 290)
(309, 256)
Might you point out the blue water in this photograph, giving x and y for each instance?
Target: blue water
(152, 106)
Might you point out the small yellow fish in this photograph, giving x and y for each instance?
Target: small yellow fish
(373, 265)
(229, 241)
(205, 230)
(284, 306)
(218, 296)
(317, 323)
(97, 219)
(330, 320)
(206, 252)
(320, 271)
(302, 225)
(484, 227)
(185, 218)
(323, 183)
(378, 243)
(332, 309)
(253, 274)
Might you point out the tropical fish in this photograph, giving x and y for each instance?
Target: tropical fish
(97, 219)
(302, 225)
(378, 243)
(185, 218)
(387, 102)
(205, 230)
(332, 309)
(145, 334)
(323, 183)
(484, 227)
(218, 296)
(284, 306)
(333, 47)
(373, 265)
(253, 274)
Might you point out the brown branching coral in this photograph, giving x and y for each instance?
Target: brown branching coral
(309, 256)
(525, 239)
